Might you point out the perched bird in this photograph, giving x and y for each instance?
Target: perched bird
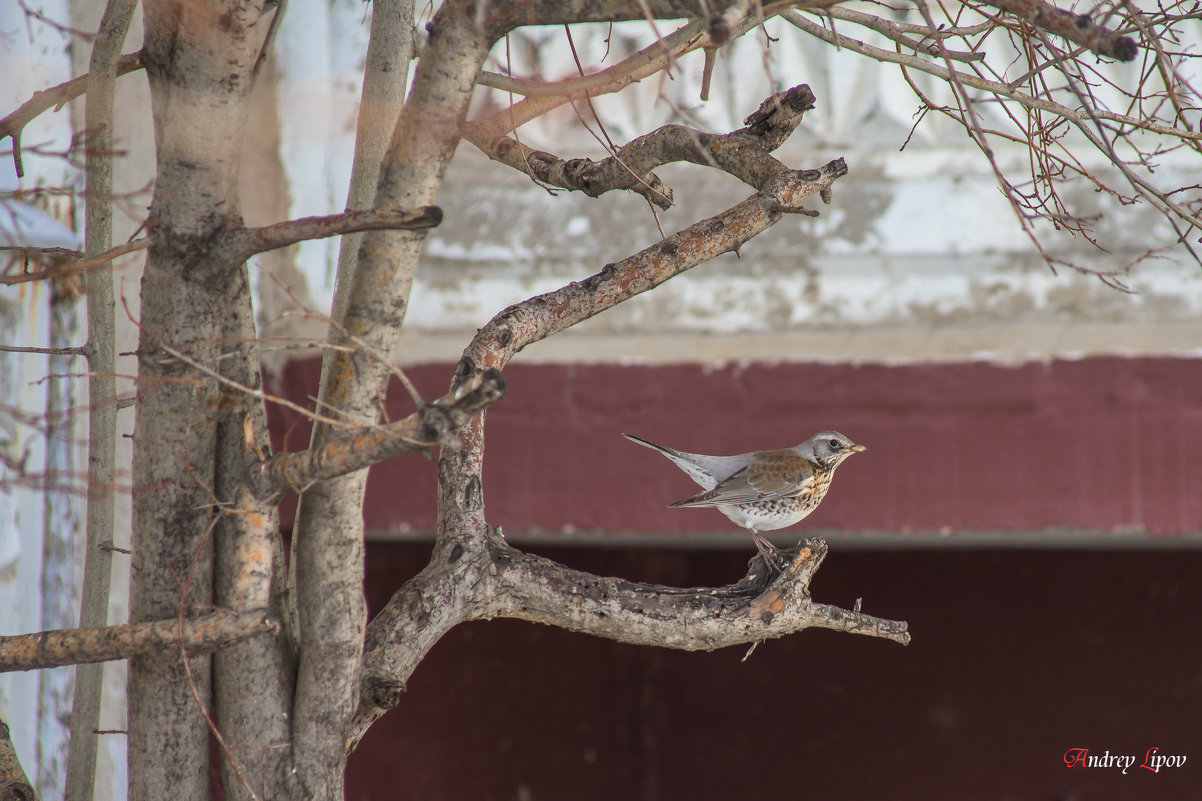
(763, 490)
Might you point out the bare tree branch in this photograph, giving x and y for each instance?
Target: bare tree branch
(1051, 158)
(507, 16)
(535, 589)
(105, 64)
(490, 134)
(14, 784)
(200, 635)
(646, 62)
(742, 153)
(429, 426)
(64, 268)
(244, 243)
(509, 583)
(902, 33)
(328, 541)
(469, 553)
(1077, 28)
(543, 315)
(55, 97)
(977, 82)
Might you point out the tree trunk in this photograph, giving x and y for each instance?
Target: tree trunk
(199, 61)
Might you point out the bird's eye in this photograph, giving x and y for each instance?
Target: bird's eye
(834, 443)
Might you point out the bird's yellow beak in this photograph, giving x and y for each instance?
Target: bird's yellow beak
(859, 448)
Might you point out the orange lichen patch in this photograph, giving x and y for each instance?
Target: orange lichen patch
(770, 601)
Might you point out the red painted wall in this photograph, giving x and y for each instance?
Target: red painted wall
(1100, 443)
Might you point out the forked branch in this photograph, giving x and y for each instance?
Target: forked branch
(508, 583)
(700, 619)
(744, 153)
(430, 425)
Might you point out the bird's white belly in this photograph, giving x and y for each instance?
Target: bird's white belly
(766, 515)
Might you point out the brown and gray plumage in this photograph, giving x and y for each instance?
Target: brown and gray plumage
(763, 490)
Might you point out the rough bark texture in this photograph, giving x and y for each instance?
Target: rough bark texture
(385, 78)
(287, 704)
(253, 681)
(431, 425)
(81, 646)
(199, 61)
(14, 785)
(328, 544)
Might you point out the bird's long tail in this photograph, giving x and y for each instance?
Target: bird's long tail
(685, 461)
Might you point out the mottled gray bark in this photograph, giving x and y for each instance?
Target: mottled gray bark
(14, 785)
(253, 681)
(199, 61)
(328, 540)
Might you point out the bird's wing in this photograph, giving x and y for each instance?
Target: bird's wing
(770, 475)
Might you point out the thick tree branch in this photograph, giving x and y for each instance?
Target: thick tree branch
(246, 242)
(425, 428)
(508, 583)
(701, 619)
(200, 635)
(1077, 28)
(14, 784)
(469, 554)
(328, 540)
(742, 153)
(490, 134)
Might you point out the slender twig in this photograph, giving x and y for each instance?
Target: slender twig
(55, 97)
(67, 268)
(977, 82)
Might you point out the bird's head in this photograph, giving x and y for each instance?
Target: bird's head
(828, 449)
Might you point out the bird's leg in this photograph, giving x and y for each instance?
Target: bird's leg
(771, 554)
